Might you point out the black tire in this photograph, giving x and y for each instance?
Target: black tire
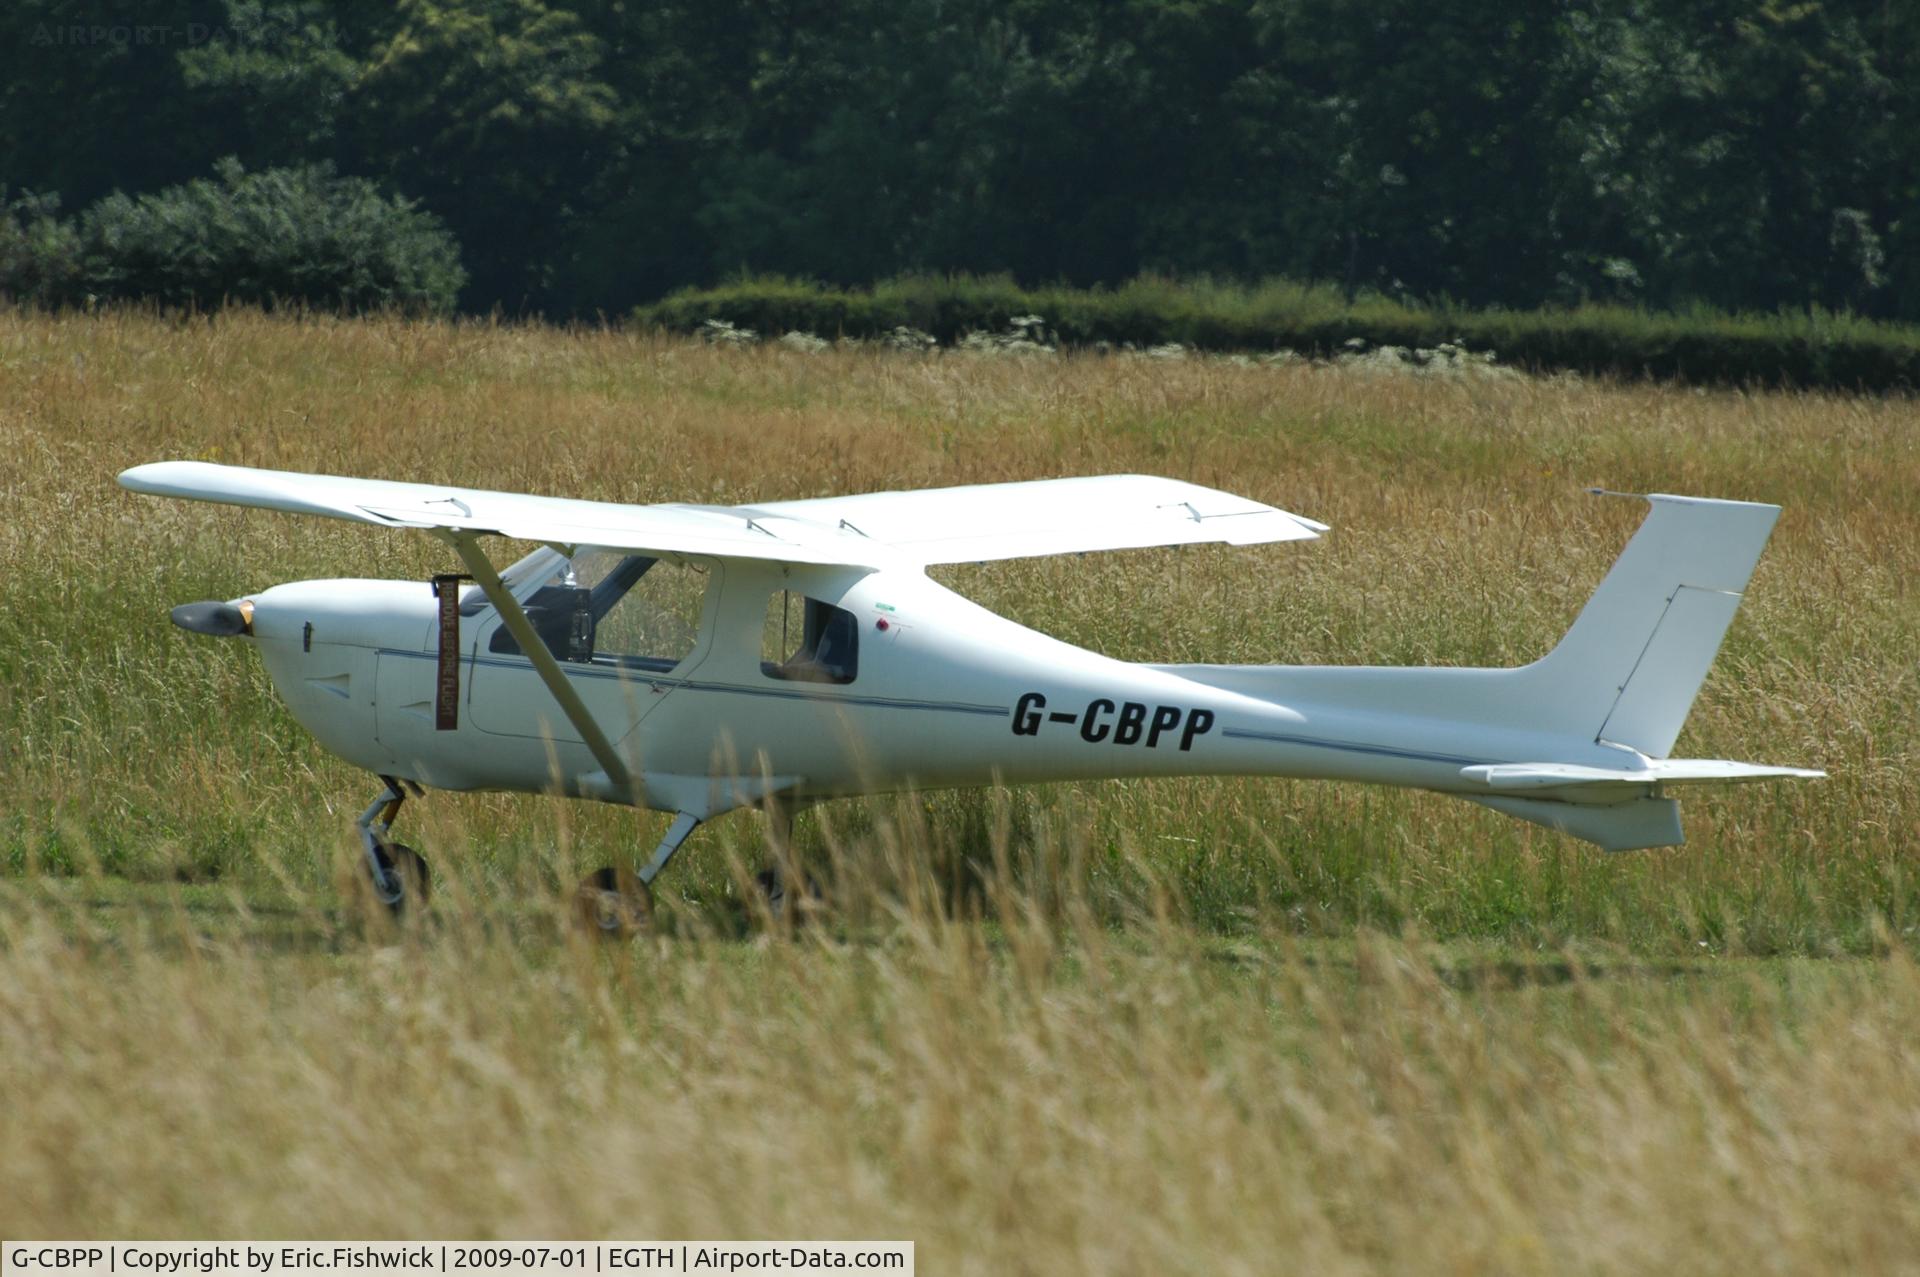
(772, 886)
(613, 904)
(403, 881)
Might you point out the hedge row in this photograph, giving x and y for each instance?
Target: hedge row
(1817, 350)
(301, 236)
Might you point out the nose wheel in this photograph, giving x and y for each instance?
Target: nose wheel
(397, 874)
(400, 877)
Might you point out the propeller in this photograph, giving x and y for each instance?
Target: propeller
(222, 620)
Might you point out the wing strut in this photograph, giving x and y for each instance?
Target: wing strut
(535, 650)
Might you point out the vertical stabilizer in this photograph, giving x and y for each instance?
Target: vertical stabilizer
(1629, 669)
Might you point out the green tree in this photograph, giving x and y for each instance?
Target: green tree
(1747, 142)
(279, 77)
(40, 256)
(492, 112)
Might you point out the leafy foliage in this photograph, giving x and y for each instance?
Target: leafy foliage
(39, 251)
(492, 113)
(300, 235)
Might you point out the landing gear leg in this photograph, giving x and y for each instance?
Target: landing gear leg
(397, 873)
(617, 902)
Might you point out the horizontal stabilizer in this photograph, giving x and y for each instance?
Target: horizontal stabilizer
(1570, 782)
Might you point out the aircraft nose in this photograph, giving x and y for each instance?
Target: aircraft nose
(222, 620)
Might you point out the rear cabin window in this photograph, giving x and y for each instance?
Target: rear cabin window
(605, 608)
(809, 641)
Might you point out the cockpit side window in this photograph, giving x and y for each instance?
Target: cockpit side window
(605, 608)
(808, 640)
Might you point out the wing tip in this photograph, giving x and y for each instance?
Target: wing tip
(142, 478)
(163, 478)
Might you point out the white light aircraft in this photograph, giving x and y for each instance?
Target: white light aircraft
(698, 659)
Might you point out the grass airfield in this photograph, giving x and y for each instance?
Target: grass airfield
(1203, 1026)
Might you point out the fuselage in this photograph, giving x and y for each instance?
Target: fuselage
(944, 693)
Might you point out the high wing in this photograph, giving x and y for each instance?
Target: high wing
(882, 529)
(1051, 516)
(660, 529)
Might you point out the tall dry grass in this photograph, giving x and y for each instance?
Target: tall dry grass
(1199, 1026)
(1046, 1097)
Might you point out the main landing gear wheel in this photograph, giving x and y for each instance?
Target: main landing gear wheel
(613, 904)
(780, 894)
(783, 903)
(616, 903)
